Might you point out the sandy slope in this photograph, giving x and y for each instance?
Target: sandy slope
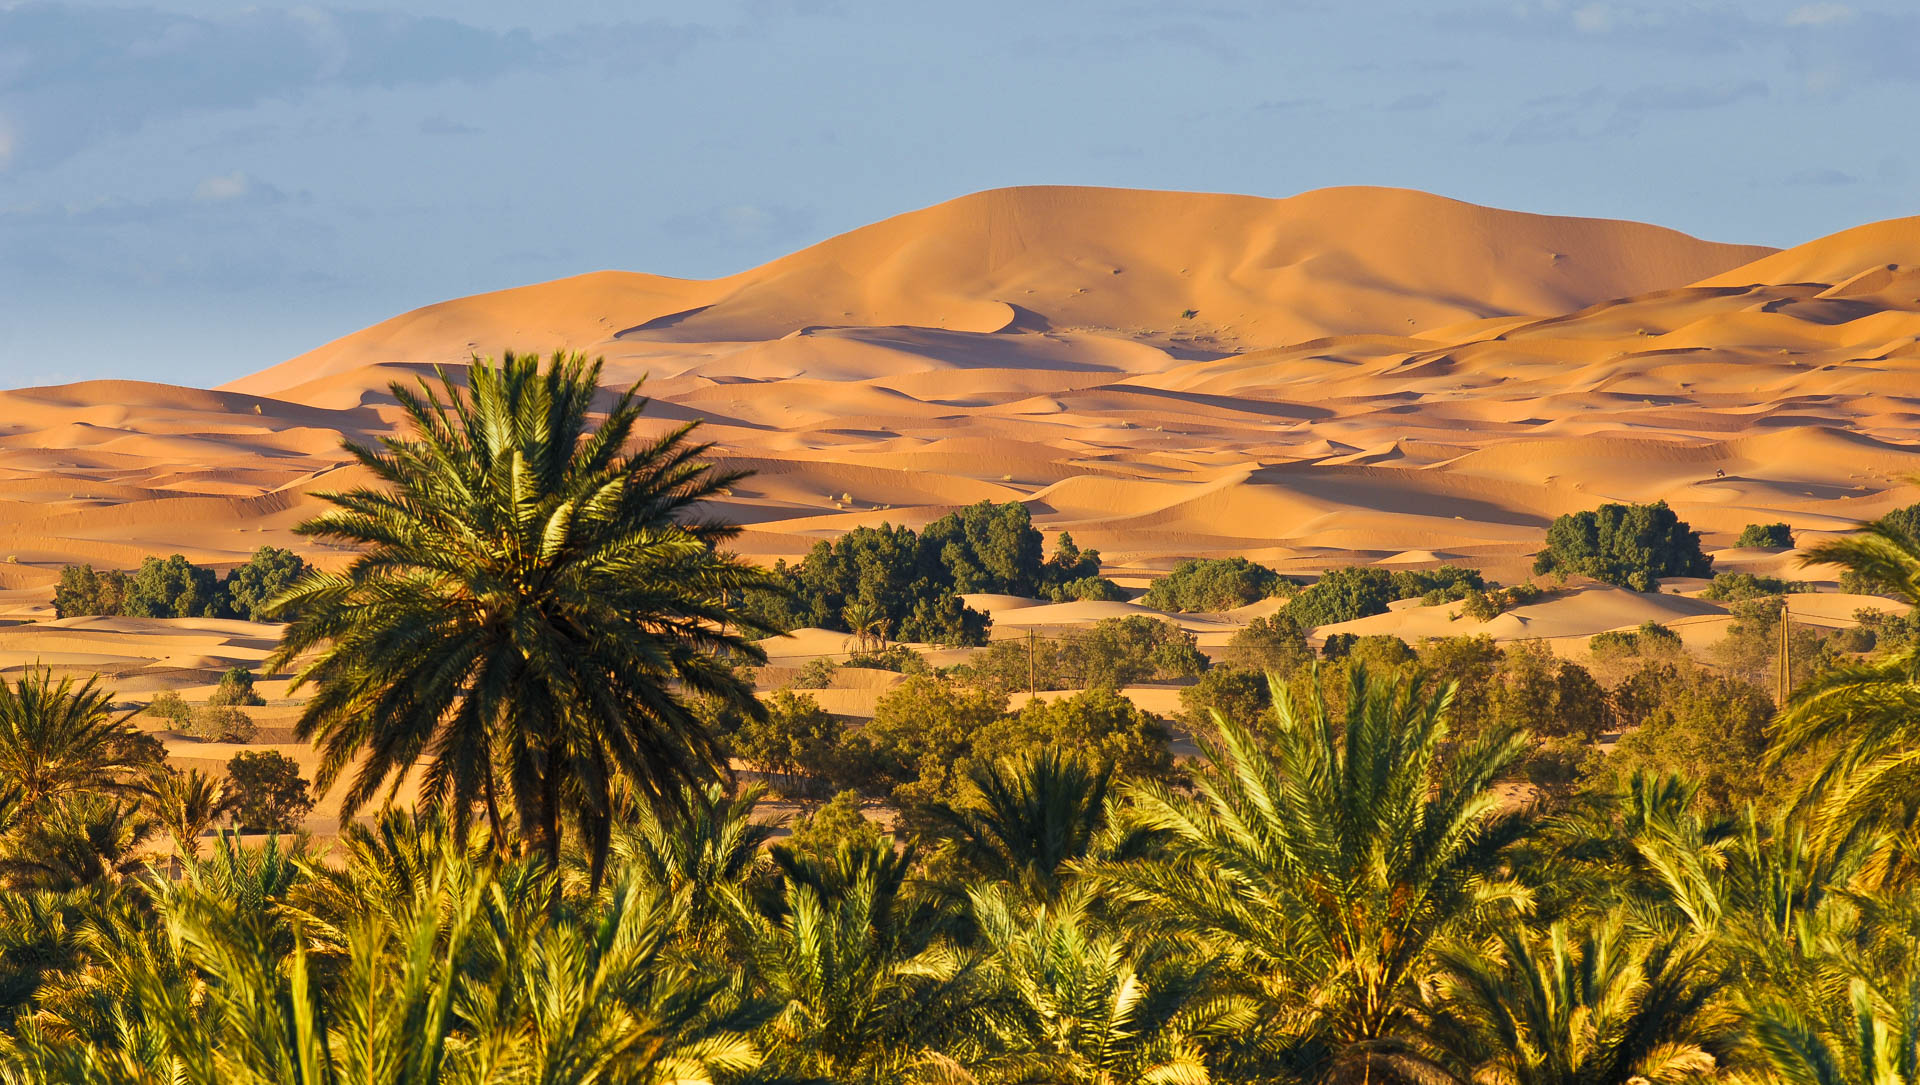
(1347, 375)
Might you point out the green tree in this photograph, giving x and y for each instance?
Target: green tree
(1629, 545)
(1766, 536)
(172, 588)
(217, 723)
(1679, 718)
(1275, 644)
(921, 732)
(534, 603)
(267, 791)
(82, 591)
(1213, 584)
(186, 804)
(1233, 692)
(1330, 868)
(1097, 723)
(1024, 818)
(60, 739)
(252, 588)
(1341, 595)
(796, 738)
(236, 688)
(1116, 652)
(1583, 1008)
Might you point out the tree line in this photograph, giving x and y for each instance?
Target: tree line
(173, 587)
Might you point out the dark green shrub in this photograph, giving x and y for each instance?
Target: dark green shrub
(1767, 536)
(1090, 589)
(1341, 595)
(173, 588)
(82, 591)
(1120, 652)
(167, 705)
(267, 791)
(1629, 545)
(221, 723)
(235, 688)
(1733, 587)
(1274, 644)
(1212, 584)
(251, 587)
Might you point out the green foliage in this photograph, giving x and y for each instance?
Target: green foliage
(795, 739)
(837, 824)
(59, 739)
(1447, 584)
(816, 673)
(1213, 584)
(535, 601)
(1118, 652)
(912, 580)
(173, 588)
(1548, 697)
(218, 723)
(267, 791)
(1379, 651)
(1088, 589)
(1274, 644)
(168, 705)
(1766, 536)
(1733, 587)
(1341, 595)
(1232, 691)
(1651, 640)
(1680, 718)
(1098, 724)
(921, 731)
(236, 688)
(1629, 545)
(1485, 606)
(82, 591)
(250, 589)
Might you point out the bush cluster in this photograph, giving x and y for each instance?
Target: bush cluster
(174, 587)
(1630, 546)
(1214, 584)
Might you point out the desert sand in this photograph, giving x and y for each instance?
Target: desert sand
(1346, 376)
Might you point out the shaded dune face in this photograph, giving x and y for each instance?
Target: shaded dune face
(1351, 375)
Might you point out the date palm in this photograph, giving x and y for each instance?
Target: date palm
(1591, 1007)
(186, 804)
(1028, 818)
(61, 738)
(1863, 720)
(534, 599)
(1328, 858)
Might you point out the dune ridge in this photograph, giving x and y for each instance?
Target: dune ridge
(1351, 375)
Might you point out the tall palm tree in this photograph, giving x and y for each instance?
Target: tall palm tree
(1329, 867)
(60, 738)
(1862, 720)
(533, 598)
(187, 804)
(707, 856)
(1070, 1003)
(860, 993)
(1591, 1007)
(1029, 817)
(78, 841)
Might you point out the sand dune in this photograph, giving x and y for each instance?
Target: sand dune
(1352, 375)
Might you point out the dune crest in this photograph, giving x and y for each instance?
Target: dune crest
(1350, 375)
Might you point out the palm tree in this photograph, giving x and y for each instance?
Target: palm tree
(1072, 1004)
(860, 990)
(1862, 720)
(78, 841)
(1588, 1008)
(187, 804)
(531, 605)
(1028, 818)
(1329, 868)
(869, 625)
(60, 738)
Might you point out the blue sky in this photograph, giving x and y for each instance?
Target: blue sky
(191, 191)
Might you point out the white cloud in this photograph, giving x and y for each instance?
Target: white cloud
(1593, 19)
(1819, 14)
(231, 186)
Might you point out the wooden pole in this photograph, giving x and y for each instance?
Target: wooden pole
(1030, 666)
(1785, 661)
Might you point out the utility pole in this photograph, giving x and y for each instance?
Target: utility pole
(1030, 665)
(1785, 660)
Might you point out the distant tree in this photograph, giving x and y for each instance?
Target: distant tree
(816, 673)
(1118, 652)
(187, 804)
(1237, 693)
(1088, 589)
(990, 547)
(1684, 719)
(250, 588)
(168, 706)
(1274, 644)
(267, 791)
(1341, 595)
(1473, 664)
(219, 723)
(1098, 724)
(82, 591)
(1070, 564)
(921, 732)
(797, 739)
(1212, 584)
(1628, 545)
(1380, 653)
(1766, 536)
(60, 738)
(1728, 587)
(236, 688)
(1548, 697)
(1447, 584)
(837, 824)
(173, 588)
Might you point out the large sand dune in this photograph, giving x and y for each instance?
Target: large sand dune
(1350, 375)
